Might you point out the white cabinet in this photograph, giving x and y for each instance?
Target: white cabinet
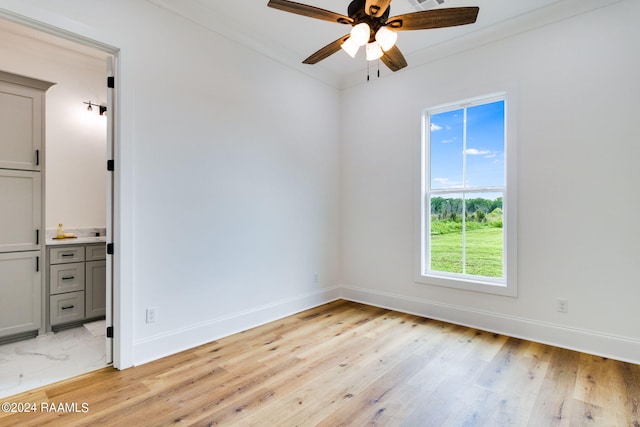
(77, 283)
(22, 110)
(20, 283)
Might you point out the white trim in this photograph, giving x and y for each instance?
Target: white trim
(57, 32)
(597, 343)
(178, 340)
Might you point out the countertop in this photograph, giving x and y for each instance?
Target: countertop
(80, 240)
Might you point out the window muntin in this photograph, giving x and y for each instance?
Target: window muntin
(463, 234)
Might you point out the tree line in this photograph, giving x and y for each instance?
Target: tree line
(477, 209)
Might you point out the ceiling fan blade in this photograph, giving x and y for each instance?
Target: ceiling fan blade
(376, 7)
(326, 51)
(436, 18)
(310, 11)
(394, 59)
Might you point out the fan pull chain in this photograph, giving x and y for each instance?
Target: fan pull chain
(369, 70)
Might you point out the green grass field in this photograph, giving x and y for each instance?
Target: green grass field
(483, 257)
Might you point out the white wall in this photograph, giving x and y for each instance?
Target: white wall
(227, 178)
(577, 90)
(76, 139)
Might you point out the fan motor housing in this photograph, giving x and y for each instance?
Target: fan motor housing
(357, 13)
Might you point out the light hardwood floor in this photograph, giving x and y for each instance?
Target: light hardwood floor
(345, 363)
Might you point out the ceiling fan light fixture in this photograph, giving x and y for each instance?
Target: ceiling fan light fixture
(386, 38)
(350, 47)
(373, 51)
(360, 34)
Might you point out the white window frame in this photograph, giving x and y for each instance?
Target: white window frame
(507, 285)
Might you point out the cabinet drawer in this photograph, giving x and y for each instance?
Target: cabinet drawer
(66, 254)
(66, 278)
(96, 252)
(67, 307)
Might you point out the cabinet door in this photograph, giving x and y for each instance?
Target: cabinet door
(20, 292)
(96, 252)
(95, 288)
(20, 215)
(21, 126)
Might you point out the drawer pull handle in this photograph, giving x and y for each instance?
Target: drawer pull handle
(67, 307)
(67, 254)
(68, 277)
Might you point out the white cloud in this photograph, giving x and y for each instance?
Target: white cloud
(476, 152)
(490, 156)
(447, 141)
(435, 127)
(446, 183)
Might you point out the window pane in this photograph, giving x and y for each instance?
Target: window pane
(446, 233)
(483, 235)
(446, 149)
(485, 145)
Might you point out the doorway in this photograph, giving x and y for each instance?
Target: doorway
(38, 51)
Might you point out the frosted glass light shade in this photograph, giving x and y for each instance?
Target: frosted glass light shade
(360, 34)
(350, 47)
(373, 51)
(386, 38)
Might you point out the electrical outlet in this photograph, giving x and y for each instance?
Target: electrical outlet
(563, 305)
(151, 315)
(315, 278)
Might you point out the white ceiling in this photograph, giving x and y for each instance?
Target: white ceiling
(290, 38)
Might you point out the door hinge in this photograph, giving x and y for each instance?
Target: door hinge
(109, 248)
(109, 331)
(111, 82)
(110, 165)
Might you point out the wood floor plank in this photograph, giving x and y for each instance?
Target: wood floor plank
(345, 363)
(553, 406)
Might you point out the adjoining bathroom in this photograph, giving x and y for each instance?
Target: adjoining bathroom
(67, 337)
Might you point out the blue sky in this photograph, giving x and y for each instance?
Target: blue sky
(484, 149)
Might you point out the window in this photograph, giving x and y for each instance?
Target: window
(468, 210)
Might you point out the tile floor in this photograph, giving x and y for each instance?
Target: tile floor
(52, 357)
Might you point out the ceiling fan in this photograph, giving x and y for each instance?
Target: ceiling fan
(373, 28)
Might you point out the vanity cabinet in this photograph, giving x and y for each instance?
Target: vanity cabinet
(77, 283)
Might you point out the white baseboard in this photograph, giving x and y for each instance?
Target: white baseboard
(178, 340)
(596, 343)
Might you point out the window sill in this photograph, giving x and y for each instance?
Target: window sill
(468, 284)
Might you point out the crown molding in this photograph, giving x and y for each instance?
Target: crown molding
(502, 30)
